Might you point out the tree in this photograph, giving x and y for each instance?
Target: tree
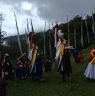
(1, 31)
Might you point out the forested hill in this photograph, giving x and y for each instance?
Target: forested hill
(13, 47)
(80, 30)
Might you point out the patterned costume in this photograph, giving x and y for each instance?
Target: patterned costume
(59, 54)
(90, 70)
(32, 56)
(59, 46)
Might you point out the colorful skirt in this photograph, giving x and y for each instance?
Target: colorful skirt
(90, 71)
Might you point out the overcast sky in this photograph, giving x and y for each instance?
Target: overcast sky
(41, 11)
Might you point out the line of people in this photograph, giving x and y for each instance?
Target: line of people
(23, 67)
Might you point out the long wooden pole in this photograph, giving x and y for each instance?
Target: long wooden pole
(28, 26)
(82, 34)
(68, 31)
(87, 30)
(50, 44)
(44, 41)
(75, 36)
(93, 29)
(19, 43)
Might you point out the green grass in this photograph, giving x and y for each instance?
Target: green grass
(54, 86)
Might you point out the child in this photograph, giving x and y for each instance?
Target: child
(27, 66)
(48, 65)
(81, 57)
(20, 70)
(75, 55)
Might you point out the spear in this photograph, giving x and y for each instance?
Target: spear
(19, 43)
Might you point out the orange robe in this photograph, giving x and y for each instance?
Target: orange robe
(92, 56)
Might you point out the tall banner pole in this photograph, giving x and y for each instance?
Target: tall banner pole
(50, 43)
(75, 36)
(93, 29)
(44, 41)
(19, 42)
(82, 34)
(68, 32)
(32, 29)
(87, 30)
(28, 26)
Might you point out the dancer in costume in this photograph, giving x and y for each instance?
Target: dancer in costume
(33, 49)
(59, 45)
(67, 69)
(90, 70)
(59, 54)
(34, 62)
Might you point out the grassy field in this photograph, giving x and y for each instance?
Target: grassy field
(54, 86)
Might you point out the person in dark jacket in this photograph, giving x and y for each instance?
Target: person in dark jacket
(75, 55)
(48, 65)
(67, 69)
(7, 67)
(39, 71)
(3, 84)
(0, 66)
